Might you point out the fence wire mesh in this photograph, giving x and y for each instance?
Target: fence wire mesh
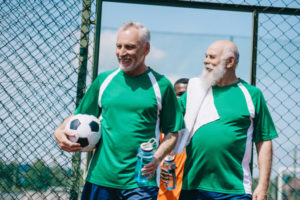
(39, 43)
(278, 75)
(39, 56)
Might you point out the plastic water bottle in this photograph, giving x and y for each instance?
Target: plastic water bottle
(144, 156)
(169, 165)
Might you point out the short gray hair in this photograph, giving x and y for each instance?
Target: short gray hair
(231, 51)
(144, 33)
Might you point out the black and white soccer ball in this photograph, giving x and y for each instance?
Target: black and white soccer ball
(87, 131)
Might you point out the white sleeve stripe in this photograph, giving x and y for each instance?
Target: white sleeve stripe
(248, 100)
(159, 104)
(247, 181)
(156, 90)
(105, 84)
(159, 107)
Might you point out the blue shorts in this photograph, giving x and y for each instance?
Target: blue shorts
(205, 195)
(95, 192)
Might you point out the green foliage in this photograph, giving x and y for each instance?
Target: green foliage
(286, 178)
(37, 177)
(7, 175)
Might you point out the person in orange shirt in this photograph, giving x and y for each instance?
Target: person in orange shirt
(180, 87)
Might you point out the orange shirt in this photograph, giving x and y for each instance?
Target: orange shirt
(163, 193)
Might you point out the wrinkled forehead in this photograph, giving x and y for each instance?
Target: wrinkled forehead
(215, 49)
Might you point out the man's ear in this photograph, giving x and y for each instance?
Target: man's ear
(147, 49)
(230, 62)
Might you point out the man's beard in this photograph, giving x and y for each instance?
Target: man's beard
(212, 77)
(133, 65)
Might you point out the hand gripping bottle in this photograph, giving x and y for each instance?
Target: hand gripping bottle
(144, 156)
(170, 166)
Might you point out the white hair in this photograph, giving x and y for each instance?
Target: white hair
(230, 51)
(209, 79)
(144, 33)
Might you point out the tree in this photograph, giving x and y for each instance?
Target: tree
(38, 176)
(60, 176)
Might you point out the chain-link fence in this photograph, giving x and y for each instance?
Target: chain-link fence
(42, 43)
(278, 75)
(39, 58)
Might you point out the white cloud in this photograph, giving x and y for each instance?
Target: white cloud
(107, 59)
(156, 55)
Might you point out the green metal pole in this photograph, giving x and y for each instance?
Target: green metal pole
(97, 31)
(81, 85)
(253, 62)
(97, 39)
(215, 6)
(254, 47)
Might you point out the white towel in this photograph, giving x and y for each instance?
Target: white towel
(200, 110)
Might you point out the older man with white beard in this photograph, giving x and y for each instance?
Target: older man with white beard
(223, 116)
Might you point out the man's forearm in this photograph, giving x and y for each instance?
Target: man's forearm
(265, 155)
(166, 146)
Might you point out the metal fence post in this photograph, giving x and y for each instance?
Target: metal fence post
(254, 46)
(253, 62)
(97, 39)
(81, 85)
(96, 49)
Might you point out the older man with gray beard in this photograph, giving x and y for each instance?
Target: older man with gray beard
(136, 103)
(223, 116)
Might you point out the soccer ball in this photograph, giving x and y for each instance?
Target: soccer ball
(87, 131)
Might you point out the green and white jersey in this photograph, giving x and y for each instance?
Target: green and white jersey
(219, 153)
(130, 108)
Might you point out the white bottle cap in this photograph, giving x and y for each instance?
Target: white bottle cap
(148, 146)
(169, 158)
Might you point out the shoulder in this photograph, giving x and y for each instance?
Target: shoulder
(103, 75)
(195, 81)
(255, 93)
(161, 79)
(165, 86)
(253, 90)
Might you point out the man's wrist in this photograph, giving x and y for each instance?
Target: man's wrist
(263, 186)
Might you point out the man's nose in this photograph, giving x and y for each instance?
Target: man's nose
(205, 61)
(122, 51)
